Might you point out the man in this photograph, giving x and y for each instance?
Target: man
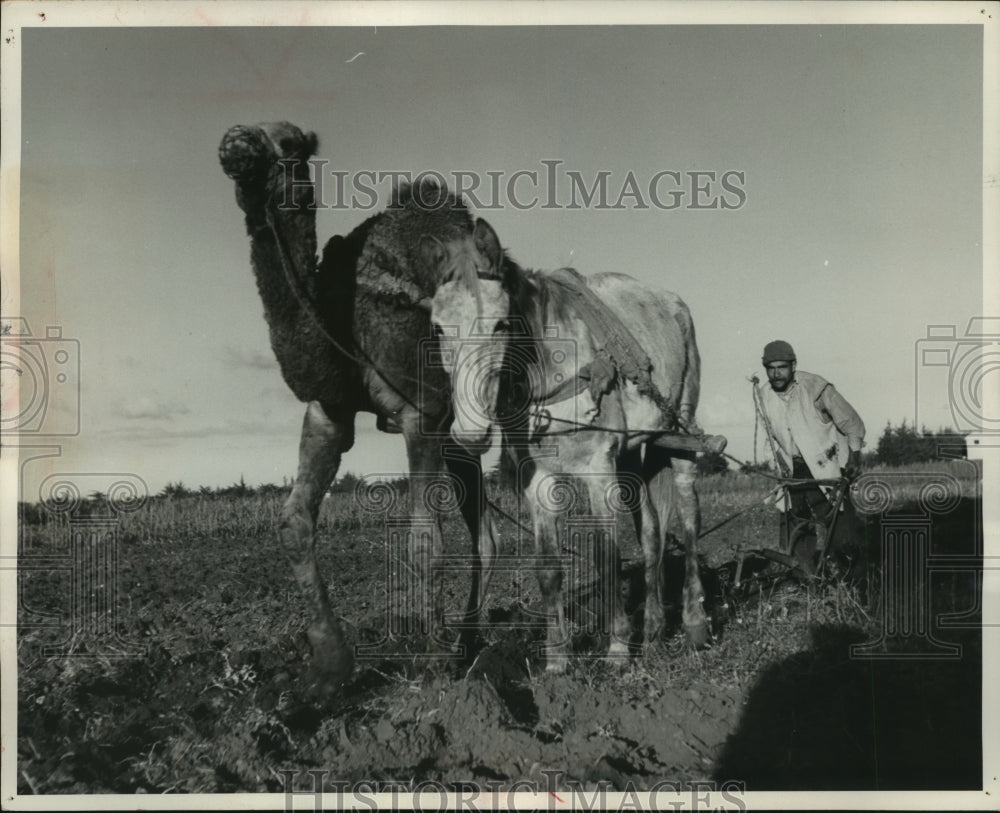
(814, 433)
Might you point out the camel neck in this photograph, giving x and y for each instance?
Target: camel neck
(297, 232)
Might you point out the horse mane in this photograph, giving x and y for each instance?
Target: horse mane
(532, 294)
(532, 298)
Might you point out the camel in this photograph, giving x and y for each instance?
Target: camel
(559, 362)
(346, 334)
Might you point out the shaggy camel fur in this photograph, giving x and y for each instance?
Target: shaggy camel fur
(346, 333)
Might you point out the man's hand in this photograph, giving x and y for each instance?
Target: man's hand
(853, 467)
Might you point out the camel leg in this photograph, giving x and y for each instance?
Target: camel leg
(695, 620)
(322, 443)
(478, 518)
(550, 577)
(597, 488)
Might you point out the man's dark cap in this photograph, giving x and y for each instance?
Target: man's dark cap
(777, 351)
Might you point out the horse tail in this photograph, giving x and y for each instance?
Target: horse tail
(691, 386)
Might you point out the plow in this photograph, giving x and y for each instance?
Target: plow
(716, 444)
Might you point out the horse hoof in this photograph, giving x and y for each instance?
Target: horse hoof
(555, 665)
(470, 644)
(618, 655)
(617, 647)
(653, 625)
(698, 635)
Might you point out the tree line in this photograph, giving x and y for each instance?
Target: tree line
(896, 446)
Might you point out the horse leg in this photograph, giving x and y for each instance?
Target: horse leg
(550, 577)
(324, 439)
(607, 562)
(426, 465)
(468, 469)
(695, 619)
(655, 512)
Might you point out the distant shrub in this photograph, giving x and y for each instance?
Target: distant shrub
(712, 463)
(240, 489)
(900, 445)
(756, 468)
(175, 490)
(345, 484)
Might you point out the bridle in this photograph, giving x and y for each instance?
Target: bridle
(568, 388)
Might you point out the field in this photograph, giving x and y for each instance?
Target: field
(201, 689)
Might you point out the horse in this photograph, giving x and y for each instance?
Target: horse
(546, 358)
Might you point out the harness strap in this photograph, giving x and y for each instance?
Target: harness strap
(618, 351)
(567, 389)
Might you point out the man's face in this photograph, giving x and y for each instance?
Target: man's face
(780, 374)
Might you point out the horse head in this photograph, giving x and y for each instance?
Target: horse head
(470, 313)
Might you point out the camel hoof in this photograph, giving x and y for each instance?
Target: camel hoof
(245, 153)
(327, 675)
(332, 659)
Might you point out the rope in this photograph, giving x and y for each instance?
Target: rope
(729, 519)
(726, 521)
(767, 426)
(365, 360)
(578, 426)
(309, 307)
(756, 427)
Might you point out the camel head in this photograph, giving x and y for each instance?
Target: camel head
(248, 152)
(270, 164)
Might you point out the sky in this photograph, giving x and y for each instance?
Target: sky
(859, 150)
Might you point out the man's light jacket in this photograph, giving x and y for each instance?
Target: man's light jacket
(812, 420)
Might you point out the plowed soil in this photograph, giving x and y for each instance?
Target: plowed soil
(206, 688)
